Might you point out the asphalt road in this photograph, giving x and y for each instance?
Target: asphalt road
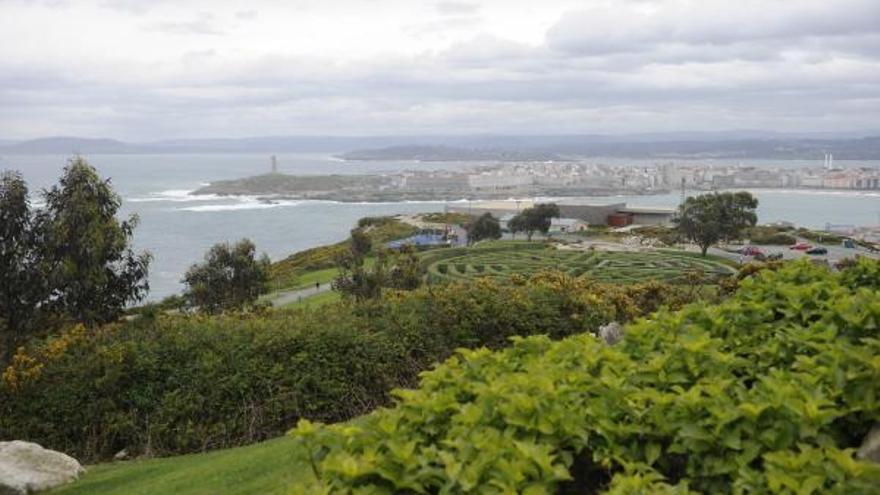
(282, 298)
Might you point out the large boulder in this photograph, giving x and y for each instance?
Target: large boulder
(27, 468)
(870, 449)
(611, 333)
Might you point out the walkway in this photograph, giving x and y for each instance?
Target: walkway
(283, 298)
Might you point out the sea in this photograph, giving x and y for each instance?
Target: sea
(177, 228)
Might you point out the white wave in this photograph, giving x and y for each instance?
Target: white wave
(243, 204)
(175, 196)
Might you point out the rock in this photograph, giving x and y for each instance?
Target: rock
(121, 455)
(611, 333)
(870, 449)
(27, 468)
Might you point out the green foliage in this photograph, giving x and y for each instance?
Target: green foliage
(400, 269)
(769, 235)
(407, 272)
(485, 227)
(666, 235)
(767, 392)
(380, 230)
(448, 218)
(20, 285)
(535, 219)
(231, 278)
(821, 237)
(709, 218)
(355, 279)
(166, 384)
(85, 256)
(68, 261)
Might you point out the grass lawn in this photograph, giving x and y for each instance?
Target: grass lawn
(265, 468)
(316, 300)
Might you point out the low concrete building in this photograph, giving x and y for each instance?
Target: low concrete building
(567, 225)
(649, 215)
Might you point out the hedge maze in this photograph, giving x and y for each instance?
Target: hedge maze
(616, 267)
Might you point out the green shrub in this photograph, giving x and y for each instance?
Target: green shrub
(285, 273)
(667, 235)
(767, 392)
(448, 218)
(821, 237)
(173, 384)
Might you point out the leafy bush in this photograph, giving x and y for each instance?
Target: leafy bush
(667, 235)
(821, 237)
(769, 235)
(172, 384)
(449, 218)
(285, 273)
(769, 391)
(230, 278)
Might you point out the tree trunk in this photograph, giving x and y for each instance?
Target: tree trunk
(704, 249)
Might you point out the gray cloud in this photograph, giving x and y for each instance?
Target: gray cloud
(204, 24)
(618, 29)
(247, 15)
(456, 8)
(619, 67)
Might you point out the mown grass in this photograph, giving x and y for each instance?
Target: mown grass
(270, 467)
(321, 299)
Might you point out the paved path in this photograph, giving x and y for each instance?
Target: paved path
(282, 298)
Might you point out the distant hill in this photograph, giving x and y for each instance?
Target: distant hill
(732, 145)
(449, 153)
(565, 149)
(66, 145)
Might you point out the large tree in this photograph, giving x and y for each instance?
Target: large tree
(710, 218)
(21, 286)
(484, 227)
(355, 279)
(230, 278)
(86, 257)
(535, 219)
(361, 281)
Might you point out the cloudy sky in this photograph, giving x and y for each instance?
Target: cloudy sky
(153, 69)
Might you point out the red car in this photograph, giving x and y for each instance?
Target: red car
(750, 251)
(801, 246)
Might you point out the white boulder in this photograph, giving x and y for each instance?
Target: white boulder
(870, 449)
(611, 333)
(26, 467)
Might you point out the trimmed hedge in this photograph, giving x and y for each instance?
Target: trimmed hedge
(176, 384)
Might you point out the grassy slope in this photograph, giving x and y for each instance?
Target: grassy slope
(266, 468)
(316, 300)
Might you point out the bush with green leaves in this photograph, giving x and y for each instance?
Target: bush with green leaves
(769, 391)
(166, 384)
(231, 278)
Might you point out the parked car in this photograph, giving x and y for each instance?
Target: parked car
(801, 246)
(750, 251)
(817, 251)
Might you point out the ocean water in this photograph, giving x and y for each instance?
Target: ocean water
(178, 228)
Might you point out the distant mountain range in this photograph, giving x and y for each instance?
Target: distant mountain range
(733, 145)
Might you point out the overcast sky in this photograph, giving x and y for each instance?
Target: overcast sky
(152, 69)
